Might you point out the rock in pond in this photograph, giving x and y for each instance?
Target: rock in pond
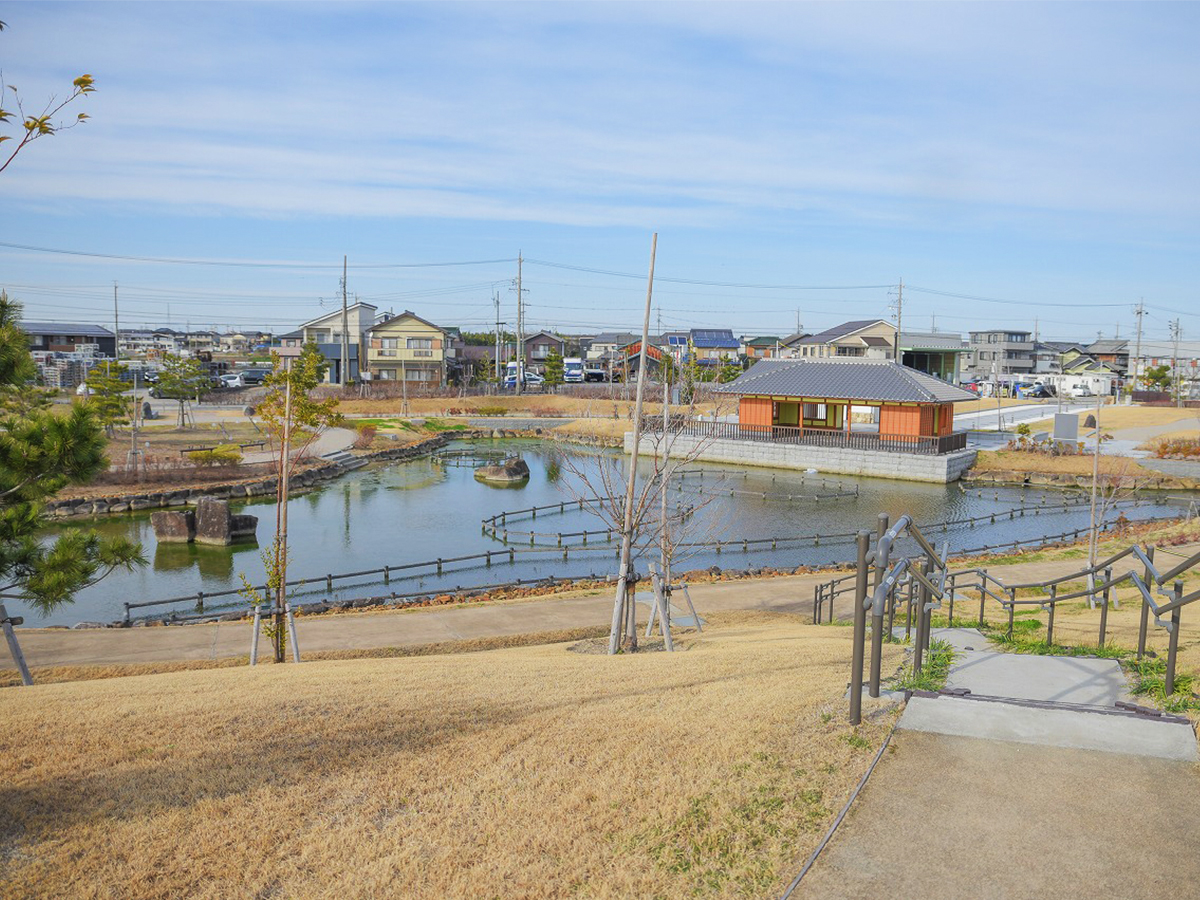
(511, 471)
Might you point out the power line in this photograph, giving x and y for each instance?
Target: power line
(248, 264)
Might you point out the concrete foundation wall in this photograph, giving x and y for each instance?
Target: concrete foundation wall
(837, 461)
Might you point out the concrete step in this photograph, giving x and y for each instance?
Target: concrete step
(1053, 726)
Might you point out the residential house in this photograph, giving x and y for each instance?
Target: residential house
(1183, 358)
(1114, 353)
(763, 347)
(712, 346)
(326, 332)
(538, 349)
(407, 348)
(863, 339)
(789, 347)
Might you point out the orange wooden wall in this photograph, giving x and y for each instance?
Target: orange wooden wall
(755, 411)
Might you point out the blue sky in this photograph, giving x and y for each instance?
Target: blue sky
(797, 161)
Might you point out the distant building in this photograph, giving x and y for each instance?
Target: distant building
(1000, 352)
(70, 337)
(763, 347)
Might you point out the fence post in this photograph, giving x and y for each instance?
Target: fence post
(1050, 621)
(1104, 604)
(860, 622)
(909, 610)
(1147, 576)
(817, 593)
(953, 580)
(1012, 610)
(877, 614)
(1173, 646)
(13, 647)
(919, 644)
(982, 596)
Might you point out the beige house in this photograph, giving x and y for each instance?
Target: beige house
(326, 332)
(407, 348)
(869, 339)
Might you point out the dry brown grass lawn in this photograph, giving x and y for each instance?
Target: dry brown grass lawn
(1022, 461)
(530, 772)
(595, 406)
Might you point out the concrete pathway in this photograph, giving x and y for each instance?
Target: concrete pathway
(1046, 793)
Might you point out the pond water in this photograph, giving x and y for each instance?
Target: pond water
(398, 513)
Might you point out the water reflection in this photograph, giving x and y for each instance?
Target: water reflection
(211, 562)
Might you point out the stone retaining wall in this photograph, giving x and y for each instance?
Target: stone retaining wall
(833, 460)
(1060, 479)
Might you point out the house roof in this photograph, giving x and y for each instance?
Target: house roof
(74, 329)
(714, 338)
(933, 340)
(338, 312)
(407, 314)
(837, 332)
(844, 379)
(619, 338)
(1059, 346)
(764, 341)
(795, 338)
(1109, 346)
(872, 341)
(538, 334)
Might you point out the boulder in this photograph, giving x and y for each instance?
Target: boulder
(511, 471)
(243, 527)
(212, 521)
(174, 527)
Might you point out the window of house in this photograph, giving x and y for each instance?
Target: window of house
(420, 344)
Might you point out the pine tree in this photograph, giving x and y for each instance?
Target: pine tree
(107, 385)
(41, 453)
(554, 369)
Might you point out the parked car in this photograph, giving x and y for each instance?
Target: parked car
(232, 380)
(1040, 392)
(254, 376)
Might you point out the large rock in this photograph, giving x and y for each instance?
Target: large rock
(174, 527)
(511, 471)
(243, 527)
(213, 521)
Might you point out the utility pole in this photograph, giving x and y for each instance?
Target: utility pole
(345, 379)
(520, 330)
(496, 303)
(1137, 351)
(899, 320)
(1175, 362)
(116, 326)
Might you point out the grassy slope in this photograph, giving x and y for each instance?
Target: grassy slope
(528, 772)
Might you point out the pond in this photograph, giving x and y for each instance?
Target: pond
(400, 513)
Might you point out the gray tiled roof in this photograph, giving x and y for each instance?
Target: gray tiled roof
(837, 379)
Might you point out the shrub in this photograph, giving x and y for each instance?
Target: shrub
(492, 410)
(225, 455)
(1177, 448)
(366, 434)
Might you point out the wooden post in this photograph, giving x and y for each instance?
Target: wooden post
(254, 634)
(13, 647)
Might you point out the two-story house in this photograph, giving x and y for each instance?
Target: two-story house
(326, 332)
(539, 347)
(407, 348)
(1001, 352)
(712, 346)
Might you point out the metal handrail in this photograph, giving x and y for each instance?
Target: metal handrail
(929, 581)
